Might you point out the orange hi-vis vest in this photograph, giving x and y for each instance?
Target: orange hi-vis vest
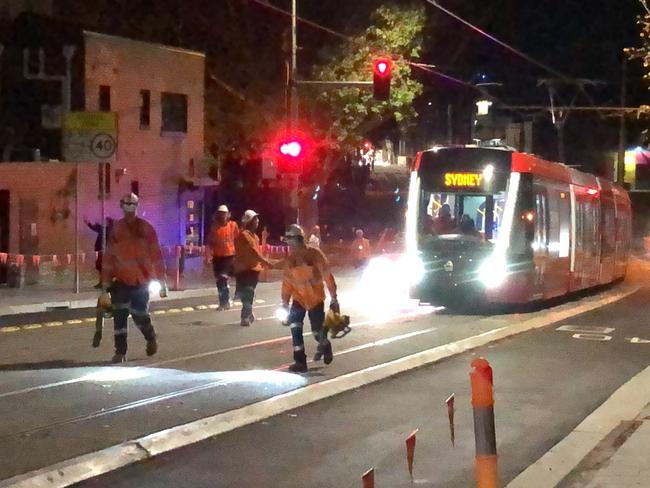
(133, 254)
(223, 239)
(361, 248)
(306, 273)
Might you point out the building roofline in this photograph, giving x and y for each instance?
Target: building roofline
(152, 44)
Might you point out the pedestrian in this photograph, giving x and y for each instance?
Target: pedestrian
(133, 260)
(314, 238)
(222, 241)
(303, 293)
(249, 262)
(360, 249)
(99, 244)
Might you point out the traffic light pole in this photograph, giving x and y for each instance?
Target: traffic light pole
(293, 116)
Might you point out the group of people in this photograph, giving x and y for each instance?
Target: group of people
(444, 223)
(133, 259)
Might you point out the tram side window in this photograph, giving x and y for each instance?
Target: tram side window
(541, 220)
(608, 226)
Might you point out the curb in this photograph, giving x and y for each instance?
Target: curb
(92, 302)
(624, 404)
(100, 462)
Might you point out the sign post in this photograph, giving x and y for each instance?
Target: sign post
(89, 137)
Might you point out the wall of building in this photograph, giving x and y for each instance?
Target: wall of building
(42, 206)
(155, 159)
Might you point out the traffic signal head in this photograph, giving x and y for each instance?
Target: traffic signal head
(382, 74)
(291, 155)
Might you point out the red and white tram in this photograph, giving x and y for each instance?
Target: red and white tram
(494, 225)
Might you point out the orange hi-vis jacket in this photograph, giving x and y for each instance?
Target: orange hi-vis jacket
(133, 254)
(248, 254)
(222, 239)
(361, 248)
(306, 272)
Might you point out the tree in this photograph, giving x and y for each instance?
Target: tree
(643, 52)
(396, 32)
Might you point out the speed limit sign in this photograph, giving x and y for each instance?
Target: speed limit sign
(103, 146)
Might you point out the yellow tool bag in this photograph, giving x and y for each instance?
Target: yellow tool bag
(337, 325)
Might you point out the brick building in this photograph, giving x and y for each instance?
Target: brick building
(157, 94)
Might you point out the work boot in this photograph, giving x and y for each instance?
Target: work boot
(251, 318)
(328, 355)
(118, 358)
(223, 307)
(245, 322)
(318, 355)
(152, 347)
(298, 367)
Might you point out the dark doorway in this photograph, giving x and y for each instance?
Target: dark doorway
(4, 231)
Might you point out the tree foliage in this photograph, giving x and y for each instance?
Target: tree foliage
(643, 53)
(396, 32)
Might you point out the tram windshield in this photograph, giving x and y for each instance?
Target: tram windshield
(459, 213)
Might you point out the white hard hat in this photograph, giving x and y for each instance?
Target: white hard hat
(129, 200)
(248, 216)
(294, 230)
(223, 208)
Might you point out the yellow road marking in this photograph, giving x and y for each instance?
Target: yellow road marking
(74, 321)
(9, 329)
(188, 309)
(201, 307)
(32, 326)
(56, 323)
(90, 320)
(213, 306)
(159, 312)
(174, 310)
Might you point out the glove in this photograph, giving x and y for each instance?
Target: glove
(104, 301)
(334, 306)
(287, 309)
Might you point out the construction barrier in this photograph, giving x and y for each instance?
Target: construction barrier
(368, 478)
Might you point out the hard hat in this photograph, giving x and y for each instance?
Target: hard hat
(295, 230)
(223, 208)
(248, 216)
(129, 201)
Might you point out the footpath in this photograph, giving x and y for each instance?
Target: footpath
(607, 450)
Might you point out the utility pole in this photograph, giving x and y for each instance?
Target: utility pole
(622, 132)
(293, 116)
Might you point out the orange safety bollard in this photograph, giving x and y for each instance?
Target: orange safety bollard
(368, 478)
(410, 451)
(486, 471)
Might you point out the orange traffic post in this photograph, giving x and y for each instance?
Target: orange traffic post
(368, 478)
(410, 451)
(486, 471)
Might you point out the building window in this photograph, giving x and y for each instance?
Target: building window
(145, 109)
(135, 187)
(104, 98)
(174, 112)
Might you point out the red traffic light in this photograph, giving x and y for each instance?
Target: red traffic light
(381, 67)
(381, 78)
(291, 148)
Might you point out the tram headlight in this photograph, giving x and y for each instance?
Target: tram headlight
(412, 267)
(493, 271)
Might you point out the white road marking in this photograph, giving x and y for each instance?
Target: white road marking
(586, 329)
(637, 340)
(592, 337)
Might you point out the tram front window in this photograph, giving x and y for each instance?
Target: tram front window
(457, 213)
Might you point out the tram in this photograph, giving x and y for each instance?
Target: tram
(492, 225)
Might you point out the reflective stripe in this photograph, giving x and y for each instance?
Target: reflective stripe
(118, 332)
(298, 348)
(296, 325)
